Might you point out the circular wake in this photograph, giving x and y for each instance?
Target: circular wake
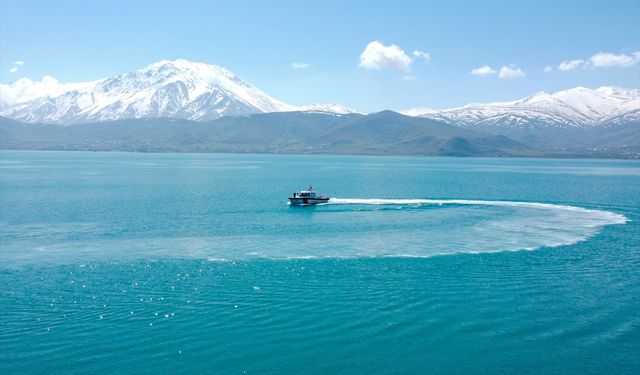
(341, 228)
(598, 217)
(474, 226)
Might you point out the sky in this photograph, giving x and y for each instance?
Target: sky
(367, 55)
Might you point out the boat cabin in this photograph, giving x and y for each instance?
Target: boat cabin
(309, 193)
(305, 194)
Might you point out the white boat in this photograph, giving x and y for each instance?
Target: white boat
(307, 198)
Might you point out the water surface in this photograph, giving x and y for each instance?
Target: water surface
(182, 263)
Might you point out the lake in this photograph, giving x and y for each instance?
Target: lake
(185, 263)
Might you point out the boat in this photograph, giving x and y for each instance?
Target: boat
(307, 198)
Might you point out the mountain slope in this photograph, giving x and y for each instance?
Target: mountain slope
(328, 108)
(577, 107)
(283, 132)
(388, 132)
(177, 89)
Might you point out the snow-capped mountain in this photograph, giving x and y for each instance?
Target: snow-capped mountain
(577, 107)
(328, 108)
(176, 89)
(197, 91)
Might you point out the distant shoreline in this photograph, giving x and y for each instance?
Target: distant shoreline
(222, 152)
(385, 133)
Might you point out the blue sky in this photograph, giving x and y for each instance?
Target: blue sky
(259, 41)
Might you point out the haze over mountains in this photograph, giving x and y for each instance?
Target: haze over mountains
(187, 106)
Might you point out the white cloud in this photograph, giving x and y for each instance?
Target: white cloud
(605, 60)
(300, 65)
(409, 77)
(378, 56)
(547, 69)
(506, 72)
(422, 54)
(16, 65)
(483, 71)
(602, 60)
(509, 72)
(571, 64)
(24, 89)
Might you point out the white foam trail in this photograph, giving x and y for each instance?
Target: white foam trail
(598, 217)
(469, 226)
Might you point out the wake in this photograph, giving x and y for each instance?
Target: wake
(586, 217)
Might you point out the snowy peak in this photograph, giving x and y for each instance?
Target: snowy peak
(180, 89)
(419, 111)
(575, 107)
(327, 108)
(619, 92)
(175, 89)
(197, 91)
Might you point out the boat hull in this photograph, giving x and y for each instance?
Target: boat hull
(307, 201)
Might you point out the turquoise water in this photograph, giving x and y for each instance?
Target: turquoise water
(187, 263)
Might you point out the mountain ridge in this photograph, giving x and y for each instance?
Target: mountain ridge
(202, 92)
(180, 88)
(576, 107)
(381, 133)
